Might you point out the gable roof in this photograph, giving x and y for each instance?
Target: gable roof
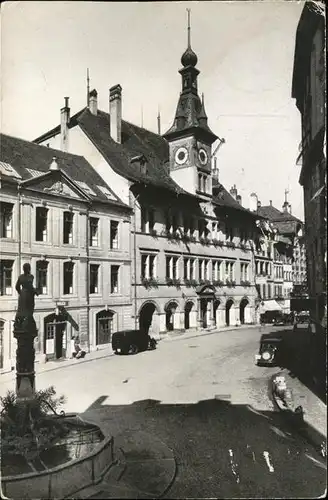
(28, 159)
(285, 222)
(136, 141)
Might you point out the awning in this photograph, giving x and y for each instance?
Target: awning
(270, 305)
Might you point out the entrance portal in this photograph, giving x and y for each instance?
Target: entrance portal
(227, 311)
(187, 311)
(243, 304)
(55, 336)
(104, 327)
(146, 316)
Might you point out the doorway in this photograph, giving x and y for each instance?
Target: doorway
(203, 312)
(55, 328)
(104, 327)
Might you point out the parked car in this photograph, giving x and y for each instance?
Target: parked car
(270, 352)
(131, 342)
(277, 317)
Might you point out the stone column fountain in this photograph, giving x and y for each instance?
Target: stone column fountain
(25, 331)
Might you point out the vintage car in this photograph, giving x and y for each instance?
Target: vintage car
(130, 341)
(270, 352)
(277, 317)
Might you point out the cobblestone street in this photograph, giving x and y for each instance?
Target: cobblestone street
(207, 401)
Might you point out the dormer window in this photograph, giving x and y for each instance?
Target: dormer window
(141, 162)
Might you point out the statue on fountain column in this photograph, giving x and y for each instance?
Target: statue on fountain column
(24, 316)
(25, 331)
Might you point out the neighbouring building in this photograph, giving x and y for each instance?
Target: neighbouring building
(280, 254)
(309, 91)
(60, 216)
(192, 258)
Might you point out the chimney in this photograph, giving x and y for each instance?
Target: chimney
(233, 191)
(64, 121)
(258, 204)
(270, 203)
(115, 111)
(93, 104)
(253, 202)
(239, 199)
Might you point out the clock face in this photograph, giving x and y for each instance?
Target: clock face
(181, 156)
(202, 155)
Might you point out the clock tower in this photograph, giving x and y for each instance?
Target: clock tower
(190, 138)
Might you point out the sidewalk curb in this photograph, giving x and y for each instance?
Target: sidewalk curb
(204, 333)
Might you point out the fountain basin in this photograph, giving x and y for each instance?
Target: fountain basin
(66, 478)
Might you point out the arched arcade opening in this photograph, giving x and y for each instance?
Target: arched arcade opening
(243, 310)
(146, 316)
(228, 306)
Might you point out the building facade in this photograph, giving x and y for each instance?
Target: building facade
(58, 215)
(192, 257)
(280, 254)
(309, 91)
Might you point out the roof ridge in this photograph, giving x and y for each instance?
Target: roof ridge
(34, 144)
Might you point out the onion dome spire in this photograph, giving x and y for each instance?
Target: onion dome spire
(189, 57)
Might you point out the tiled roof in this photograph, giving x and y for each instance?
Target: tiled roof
(137, 141)
(284, 222)
(223, 198)
(24, 155)
(274, 214)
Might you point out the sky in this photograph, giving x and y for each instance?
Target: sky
(245, 55)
